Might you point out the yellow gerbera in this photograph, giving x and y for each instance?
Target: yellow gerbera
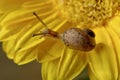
(58, 61)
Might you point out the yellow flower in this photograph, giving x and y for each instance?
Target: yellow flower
(58, 61)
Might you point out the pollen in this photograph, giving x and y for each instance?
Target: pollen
(92, 13)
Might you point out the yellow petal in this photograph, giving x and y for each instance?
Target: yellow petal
(6, 5)
(7, 34)
(25, 40)
(92, 76)
(116, 43)
(49, 70)
(102, 60)
(8, 47)
(50, 49)
(27, 14)
(1, 15)
(115, 24)
(47, 50)
(22, 57)
(19, 19)
(71, 64)
(36, 4)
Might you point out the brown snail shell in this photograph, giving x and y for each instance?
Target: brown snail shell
(78, 39)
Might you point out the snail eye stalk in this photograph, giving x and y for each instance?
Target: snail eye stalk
(47, 31)
(40, 20)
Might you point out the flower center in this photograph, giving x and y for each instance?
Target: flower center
(86, 13)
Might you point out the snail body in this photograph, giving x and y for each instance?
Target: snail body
(74, 38)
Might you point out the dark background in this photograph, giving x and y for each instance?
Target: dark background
(11, 71)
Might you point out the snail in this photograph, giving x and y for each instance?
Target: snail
(74, 38)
